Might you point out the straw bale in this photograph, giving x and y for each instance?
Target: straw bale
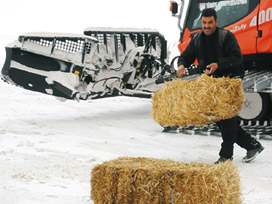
(154, 181)
(197, 102)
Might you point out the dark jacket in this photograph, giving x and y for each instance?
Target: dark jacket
(226, 54)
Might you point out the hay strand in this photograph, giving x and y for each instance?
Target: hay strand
(197, 102)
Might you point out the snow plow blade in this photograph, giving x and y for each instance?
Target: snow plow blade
(101, 63)
(16, 72)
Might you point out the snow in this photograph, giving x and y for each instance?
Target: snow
(48, 148)
(53, 35)
(121, 29)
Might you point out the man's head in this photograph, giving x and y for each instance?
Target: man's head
(209, 21)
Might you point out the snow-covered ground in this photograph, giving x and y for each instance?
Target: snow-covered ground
(48, 148)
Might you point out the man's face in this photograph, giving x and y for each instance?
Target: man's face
(209, 24)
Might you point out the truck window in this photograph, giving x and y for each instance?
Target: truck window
(228, 11)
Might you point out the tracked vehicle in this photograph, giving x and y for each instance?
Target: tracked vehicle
(105, 62)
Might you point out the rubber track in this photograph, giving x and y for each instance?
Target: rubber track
(257, 130)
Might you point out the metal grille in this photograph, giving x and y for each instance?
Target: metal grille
(69, 45)
(42, 42)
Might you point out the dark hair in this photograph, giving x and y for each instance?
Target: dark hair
(208, 12)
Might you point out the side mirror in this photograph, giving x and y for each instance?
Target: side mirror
(177, 12)
(174, 7)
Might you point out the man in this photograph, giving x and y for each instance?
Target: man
(219, 55)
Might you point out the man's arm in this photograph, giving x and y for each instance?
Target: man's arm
(186, 58)
(232, 51)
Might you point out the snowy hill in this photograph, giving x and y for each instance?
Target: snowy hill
(48, 148)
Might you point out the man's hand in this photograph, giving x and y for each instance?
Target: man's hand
(181, 70)
(211, 68)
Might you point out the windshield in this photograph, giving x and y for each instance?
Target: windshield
(228, 11)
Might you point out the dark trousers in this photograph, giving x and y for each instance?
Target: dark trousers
(232, 132)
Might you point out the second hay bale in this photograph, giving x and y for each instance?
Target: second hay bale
(148, 180)
(197, 102)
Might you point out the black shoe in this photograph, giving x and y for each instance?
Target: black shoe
(222, 160)
(252, 154)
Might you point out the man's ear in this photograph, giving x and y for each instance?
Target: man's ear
(216, 22)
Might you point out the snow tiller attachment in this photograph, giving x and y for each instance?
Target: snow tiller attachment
(100, 63)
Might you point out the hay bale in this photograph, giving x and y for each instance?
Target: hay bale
(147, 180)
(197, 102)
